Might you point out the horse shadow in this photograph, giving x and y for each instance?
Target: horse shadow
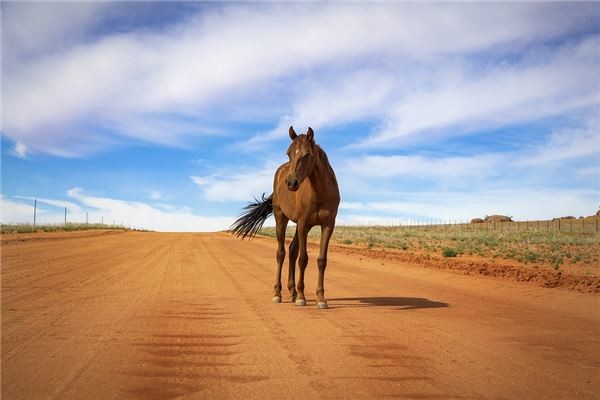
(399, 303)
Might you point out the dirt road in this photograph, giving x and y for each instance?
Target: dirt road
(163, 316)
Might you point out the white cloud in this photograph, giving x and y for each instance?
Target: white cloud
(345, 97)
(421, 167)
(237, 186)
(521, 204)
(563, 145)
(71, 207)
(567, 144)
(543, 87)
(155, 194)
(13, 212)
(350, 205)
(134, 214)
(134, 82)
(20, 150)
(202, 181)
(141, 215)
(31, 30)
(18, 212)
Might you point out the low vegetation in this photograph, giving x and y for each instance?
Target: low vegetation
(555, 248)
(68, 227)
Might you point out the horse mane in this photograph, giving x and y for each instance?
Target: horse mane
(323, 163)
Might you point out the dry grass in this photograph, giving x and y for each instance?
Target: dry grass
(68, 227)
(556, 248)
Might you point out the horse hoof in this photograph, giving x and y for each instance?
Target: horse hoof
(300, 302)
(276, 300)
(293, 298)
(322, 305)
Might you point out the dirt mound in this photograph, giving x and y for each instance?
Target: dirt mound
(477, 221)
(497, 218)
(561, 218)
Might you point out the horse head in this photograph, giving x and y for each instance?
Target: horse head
(302, 158)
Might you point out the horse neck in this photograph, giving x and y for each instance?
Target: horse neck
(322, 177)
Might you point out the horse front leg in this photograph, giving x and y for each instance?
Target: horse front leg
(280, 227)
(326, 232)
(302, 262)
(293, 255)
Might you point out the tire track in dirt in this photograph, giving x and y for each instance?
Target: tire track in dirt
(327, 383)
(67, 293)
(72, 337)
(151, 261)
(303, 362)
(196, 346)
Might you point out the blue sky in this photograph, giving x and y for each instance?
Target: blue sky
(171, 116)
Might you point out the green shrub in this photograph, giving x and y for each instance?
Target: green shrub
(530, 257)
(556, 261)
(449, 252)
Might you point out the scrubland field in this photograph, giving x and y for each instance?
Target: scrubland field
(536, 251)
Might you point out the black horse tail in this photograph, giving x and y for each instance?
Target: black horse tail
(253, 217)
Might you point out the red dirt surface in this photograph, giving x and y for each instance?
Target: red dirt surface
(132, 315)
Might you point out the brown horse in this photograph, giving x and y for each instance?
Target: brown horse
(306, 192)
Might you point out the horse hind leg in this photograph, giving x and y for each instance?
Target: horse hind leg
(326, 232)
(293, 254)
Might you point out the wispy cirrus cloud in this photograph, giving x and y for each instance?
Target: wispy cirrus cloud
(567, 144)
(422, 167)
(127, 82)
(562, 145)
(544, 86)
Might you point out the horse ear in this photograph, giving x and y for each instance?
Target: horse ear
(292, 133)
(310, 134)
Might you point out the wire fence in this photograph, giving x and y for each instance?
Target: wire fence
(573, 225)
(71, 219)
(580, 225)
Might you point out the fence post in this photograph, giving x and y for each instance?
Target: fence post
(86, 217)
(559, 224)
(65, 215)
(34, 211)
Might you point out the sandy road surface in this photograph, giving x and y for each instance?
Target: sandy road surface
(163, 316)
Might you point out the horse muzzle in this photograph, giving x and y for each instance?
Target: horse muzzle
(292, 184)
